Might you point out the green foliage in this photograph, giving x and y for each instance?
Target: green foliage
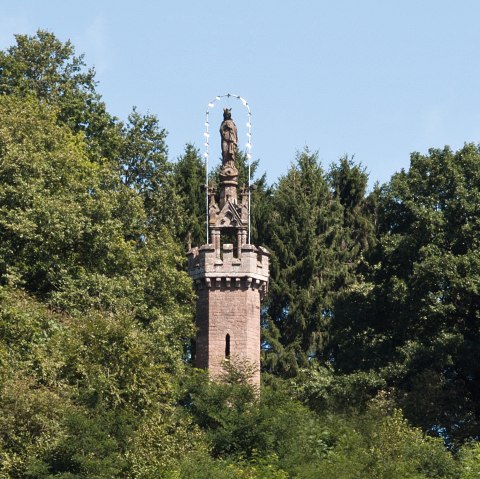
(349, 183)
(317, 227)
(272, 429)
(84, 241)
(47, 68)
(189, 174)
(71, 232)
(144, 167)
(289, 440)
(57, 216)
(305, 232)
(163, 442)
(204, 467)
(382, 445)
(416, 321)
(470, 461)
(324, 389)
(90, 395)
(96, 308)
(91, 447)
(368, 438)
(30, 424)
(227, 412)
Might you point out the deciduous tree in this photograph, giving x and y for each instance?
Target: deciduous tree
(416, 321)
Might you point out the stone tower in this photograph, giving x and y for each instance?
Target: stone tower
(230, 276)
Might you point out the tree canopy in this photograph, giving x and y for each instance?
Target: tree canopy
(415, 319)
(370, 343)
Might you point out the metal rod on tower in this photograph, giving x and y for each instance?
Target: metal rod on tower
(206, 171)
(249, 156)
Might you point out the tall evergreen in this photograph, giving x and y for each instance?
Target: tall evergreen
(189, 173)
(305, 235)
(349, 182)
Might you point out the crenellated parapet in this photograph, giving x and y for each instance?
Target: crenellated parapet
(213, 268)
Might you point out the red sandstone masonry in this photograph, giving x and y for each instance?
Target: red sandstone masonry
(229, 294)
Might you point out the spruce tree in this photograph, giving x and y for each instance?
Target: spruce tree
(189, 174)
(308, 267)
(349, 182)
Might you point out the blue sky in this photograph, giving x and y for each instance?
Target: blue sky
(375, 79)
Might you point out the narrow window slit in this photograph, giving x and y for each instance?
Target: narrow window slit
(227, 346)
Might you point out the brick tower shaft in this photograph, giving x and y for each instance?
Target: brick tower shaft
(228, 306)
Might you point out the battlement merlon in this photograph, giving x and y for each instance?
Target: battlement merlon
(253, 262)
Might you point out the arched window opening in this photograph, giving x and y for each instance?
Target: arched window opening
(227, 346)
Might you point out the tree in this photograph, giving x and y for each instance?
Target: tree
(87, 395)
(189, 173)
(72, 233)
(260, 195)
(144, 167)
(61, 216)
(381, 444)
(470, 461)
(416, 321)
(272, 428)
(349, 184)
(308, 266)
(47, 68)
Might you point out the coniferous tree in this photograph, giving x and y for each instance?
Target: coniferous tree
(189, 173)
(349, 184)
(308, 266)
(260, 193)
